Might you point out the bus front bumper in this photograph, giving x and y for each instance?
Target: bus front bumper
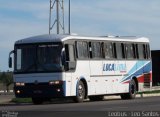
(43, 90)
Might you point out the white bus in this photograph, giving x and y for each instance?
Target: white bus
(54, 66)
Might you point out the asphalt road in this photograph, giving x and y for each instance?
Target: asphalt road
(104, 108)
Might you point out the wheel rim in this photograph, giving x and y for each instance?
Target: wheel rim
(80, 91)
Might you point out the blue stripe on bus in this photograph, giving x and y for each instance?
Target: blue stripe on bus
(64, 88)
(146, 67)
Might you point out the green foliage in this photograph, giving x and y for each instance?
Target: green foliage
(0, 77)
(150, 92)
(6, 78)
(22, 100)
(158, 83)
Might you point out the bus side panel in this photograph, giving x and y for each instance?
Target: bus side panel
(140, 70)
(82, 72)
(109, 75)
(144, 75)
(96, 72)
(68, 83)
(120, 71)
(132, 71)
(126, 69)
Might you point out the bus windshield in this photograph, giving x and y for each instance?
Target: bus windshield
(38, 58)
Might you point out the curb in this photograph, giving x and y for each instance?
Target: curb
(148, 95)
(137, 96)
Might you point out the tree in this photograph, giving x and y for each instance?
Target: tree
(0, 76)
(7, 79)
(3, 75)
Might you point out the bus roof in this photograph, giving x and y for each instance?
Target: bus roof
(60, 38)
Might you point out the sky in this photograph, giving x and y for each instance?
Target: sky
(25, 18)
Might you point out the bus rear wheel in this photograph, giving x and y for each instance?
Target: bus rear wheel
(80, 92)
(132, 91)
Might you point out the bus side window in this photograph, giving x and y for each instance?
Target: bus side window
(70, 57)
(145, 54)
(119, 51)
(67, 52)
(147, 51)
(96, 50)
(108, 50)
(136, 51)
(141, 51)
(129, 51)
(82, 50)
(71, 53)
(123, 50)
(114, 51)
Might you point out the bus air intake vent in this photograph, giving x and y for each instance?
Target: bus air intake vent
(147, 80)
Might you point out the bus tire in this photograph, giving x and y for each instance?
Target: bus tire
(37, 101)
(132, 91)
(96, 98)
(80, 93)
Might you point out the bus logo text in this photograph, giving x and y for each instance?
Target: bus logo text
(114, 67)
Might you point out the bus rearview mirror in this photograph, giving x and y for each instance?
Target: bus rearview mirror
(10, 62)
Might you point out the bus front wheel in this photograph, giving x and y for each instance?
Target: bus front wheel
(80, 92)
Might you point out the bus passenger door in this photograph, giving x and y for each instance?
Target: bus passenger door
(68, 83)
(70, 66)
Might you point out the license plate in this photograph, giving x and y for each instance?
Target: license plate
(37, 91)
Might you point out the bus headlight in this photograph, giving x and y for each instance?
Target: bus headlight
(56, 82)
(20, 84)
(18, 91)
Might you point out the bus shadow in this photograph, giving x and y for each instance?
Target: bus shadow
(70, 101)
(59, 101)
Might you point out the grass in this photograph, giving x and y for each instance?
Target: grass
(150, 92)
(22, 100)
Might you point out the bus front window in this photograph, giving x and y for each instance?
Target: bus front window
(38, 58)
(49, 58)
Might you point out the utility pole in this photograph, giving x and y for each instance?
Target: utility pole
(57, 4)
(69, 18)
(58, 20)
